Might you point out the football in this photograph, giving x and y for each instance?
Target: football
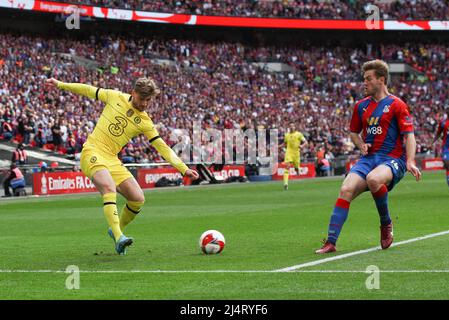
(212, 241)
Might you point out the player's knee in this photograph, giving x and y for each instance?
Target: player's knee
(138, 198)
(346, 192)
(373, 181)
(135, 206)
(108, 189)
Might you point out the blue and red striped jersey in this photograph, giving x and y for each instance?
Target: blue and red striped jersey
(383, 124)
(443, 128)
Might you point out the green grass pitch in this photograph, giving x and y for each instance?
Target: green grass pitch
(266, 228)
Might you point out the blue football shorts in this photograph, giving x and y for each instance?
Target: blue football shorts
(366, 164)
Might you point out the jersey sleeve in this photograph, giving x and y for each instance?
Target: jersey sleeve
(89, 91)
(151, 133)
(356, 122)
(169, 155)
(404, 118)
(301, 137)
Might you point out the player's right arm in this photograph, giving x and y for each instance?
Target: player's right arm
(82, 89)
(283, 144)
(355, 130)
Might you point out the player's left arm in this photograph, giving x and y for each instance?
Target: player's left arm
(406, 128)
(169, 155)
(283, 144)
(410, 147)
(303, 142)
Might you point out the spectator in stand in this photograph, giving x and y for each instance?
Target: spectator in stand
(57, 138)
(128, 154)
(39, 138)
(19, 156)
(7, 131)
(71, 145)
(231, 94)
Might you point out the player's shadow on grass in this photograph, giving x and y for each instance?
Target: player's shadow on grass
(105, 254)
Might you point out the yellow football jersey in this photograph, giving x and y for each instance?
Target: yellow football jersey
(293, 141)
(120, 122)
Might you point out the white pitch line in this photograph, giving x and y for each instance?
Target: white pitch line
(355, 253)
(224, 271)
(294, 269)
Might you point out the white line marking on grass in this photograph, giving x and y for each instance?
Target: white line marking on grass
(224, 271)
(294, 269)
(355, 253)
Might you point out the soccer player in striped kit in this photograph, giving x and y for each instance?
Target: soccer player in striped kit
(443, 128)
(387, 145)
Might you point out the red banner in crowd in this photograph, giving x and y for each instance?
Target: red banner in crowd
(225, 21)
(307, 170)
(61, 183)
(432, 164)
(229, 171)
(147, 178)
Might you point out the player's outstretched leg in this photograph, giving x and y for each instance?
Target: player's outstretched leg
(122, 243)
(129, 211)
(338, 218)
(131, 190)
(111, 214)
(105, 184)
(351, 188)
(377, 181)
(386, 225)
(286, 173)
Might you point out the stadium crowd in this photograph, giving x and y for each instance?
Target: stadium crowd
(305, 9)
(226, 93)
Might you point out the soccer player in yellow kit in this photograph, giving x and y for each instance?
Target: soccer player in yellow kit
(293, 141)
(122, 119)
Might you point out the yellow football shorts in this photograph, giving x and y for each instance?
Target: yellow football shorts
(295, 159)
(93, 160)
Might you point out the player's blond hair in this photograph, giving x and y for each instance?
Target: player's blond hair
(146, 87)
(380, 68)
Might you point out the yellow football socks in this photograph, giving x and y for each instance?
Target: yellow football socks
(129, 212)
(111, 214)
(286, 171)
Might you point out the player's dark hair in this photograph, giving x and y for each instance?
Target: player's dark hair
(380, 68)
